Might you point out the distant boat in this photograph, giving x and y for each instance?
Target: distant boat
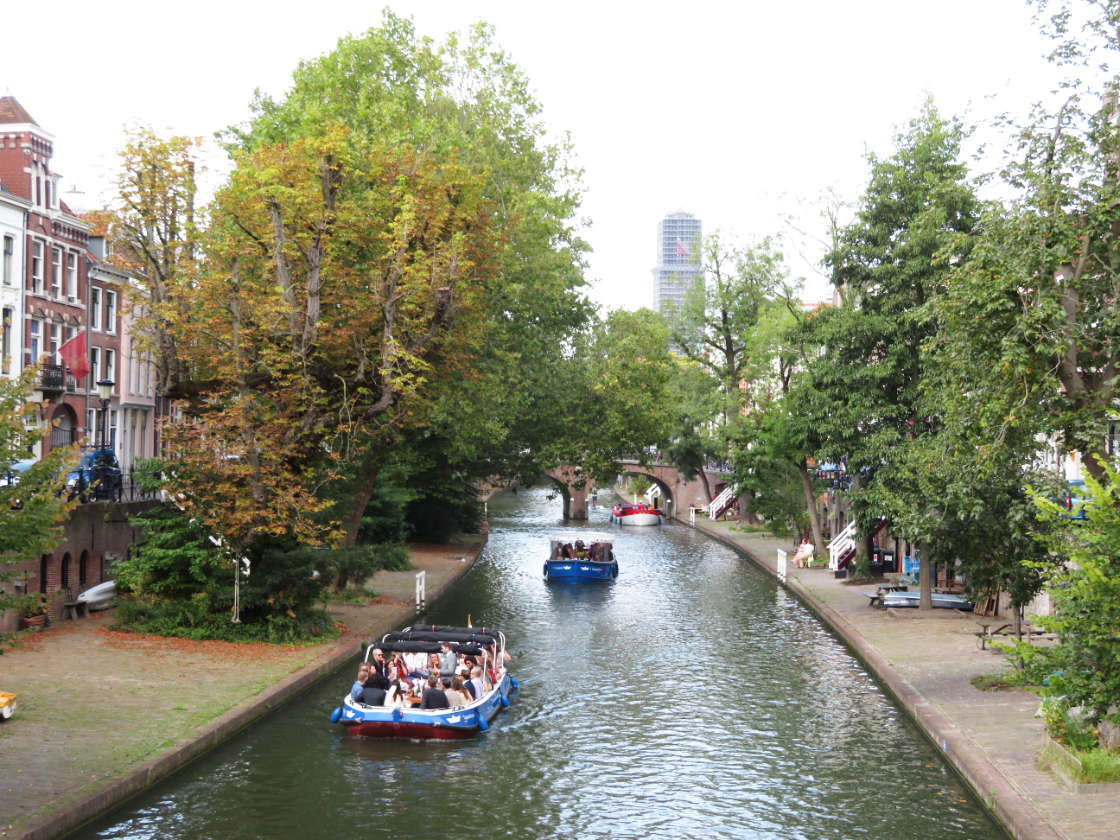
(588, 558)
(636, 514)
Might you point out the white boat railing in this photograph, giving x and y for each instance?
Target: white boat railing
(722, 502)
(842, 545)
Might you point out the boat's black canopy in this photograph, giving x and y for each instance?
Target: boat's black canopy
(408, 646)
(434, 633)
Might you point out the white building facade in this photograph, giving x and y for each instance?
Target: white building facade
(13, 231)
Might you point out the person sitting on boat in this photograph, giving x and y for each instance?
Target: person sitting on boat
(398, 670)
(379, 664)
(581, 549)
(477, 682)
(448, 661)
(567, 552)
(417, 663)
(456, 692)
(376, 687)
(433, 696)
(360, 683)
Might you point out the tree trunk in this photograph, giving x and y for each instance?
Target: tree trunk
(811, 504)
(925, 582)
(362, 489)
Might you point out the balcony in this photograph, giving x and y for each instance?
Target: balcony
(51, 379)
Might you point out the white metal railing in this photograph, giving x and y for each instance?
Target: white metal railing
(654, 492)
(421, 595)
(721, 502)
(842, 544)
(781, 567)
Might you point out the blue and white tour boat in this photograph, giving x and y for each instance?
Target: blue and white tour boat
(588, 558)
(402, 717)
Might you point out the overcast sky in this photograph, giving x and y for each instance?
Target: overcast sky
(742, 113)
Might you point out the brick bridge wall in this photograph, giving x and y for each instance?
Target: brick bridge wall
(678, 493)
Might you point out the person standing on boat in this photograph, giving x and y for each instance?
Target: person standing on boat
(448, 661)
(433, 696)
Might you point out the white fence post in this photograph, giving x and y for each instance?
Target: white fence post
(421, 595)
(782, 565)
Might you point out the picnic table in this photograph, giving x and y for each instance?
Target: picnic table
(875, 599)
(990, 630)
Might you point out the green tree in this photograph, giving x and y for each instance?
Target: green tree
(463, 99)
(1086, 596)
(33, 508)
(889, 263)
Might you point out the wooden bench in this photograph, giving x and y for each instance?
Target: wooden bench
(75, 609)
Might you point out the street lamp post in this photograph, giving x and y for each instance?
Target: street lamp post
(104, 393)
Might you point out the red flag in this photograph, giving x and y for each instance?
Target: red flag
(74, 353)
(681, 250)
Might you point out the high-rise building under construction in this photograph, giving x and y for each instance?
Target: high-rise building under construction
(678, 261)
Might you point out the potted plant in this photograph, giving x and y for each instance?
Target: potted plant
(34, 611)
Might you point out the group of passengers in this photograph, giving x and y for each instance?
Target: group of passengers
(441, 680)
(597, 552)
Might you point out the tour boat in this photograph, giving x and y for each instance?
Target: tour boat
(636, 514)
(591, 557)
(400, 720)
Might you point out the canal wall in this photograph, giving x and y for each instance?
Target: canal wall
(991, 744)
(75, 765)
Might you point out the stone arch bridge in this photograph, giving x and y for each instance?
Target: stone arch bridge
(678, 493)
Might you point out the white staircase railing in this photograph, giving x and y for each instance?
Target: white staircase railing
(842, 545)
(654, 492)
(722, 502)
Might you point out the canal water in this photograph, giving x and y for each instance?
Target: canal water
(691, 698)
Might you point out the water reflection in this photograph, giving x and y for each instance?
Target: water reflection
(690, 698)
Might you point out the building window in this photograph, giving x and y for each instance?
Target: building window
(71, 275)
(112, 442)
(110, 364)
(35, 338)
(56, 272)
(9, 256)
(110, 311)
(94, 361)
(95, 307)
(36, 266)
(52, 347)
(6, 347)
(91, 424)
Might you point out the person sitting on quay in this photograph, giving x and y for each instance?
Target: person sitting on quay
(433, 697)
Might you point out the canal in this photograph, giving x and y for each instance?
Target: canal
(692, 698)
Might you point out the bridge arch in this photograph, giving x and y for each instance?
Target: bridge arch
(679, 494)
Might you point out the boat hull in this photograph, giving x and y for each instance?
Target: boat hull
(577, 571)
(938, 599)
(635, 515)
(424, 724)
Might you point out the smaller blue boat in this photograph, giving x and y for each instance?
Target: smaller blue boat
(588, 558)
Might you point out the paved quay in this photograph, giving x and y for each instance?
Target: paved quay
(103, 714)
(926, 660)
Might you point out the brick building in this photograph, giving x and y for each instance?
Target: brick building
(54, 281)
